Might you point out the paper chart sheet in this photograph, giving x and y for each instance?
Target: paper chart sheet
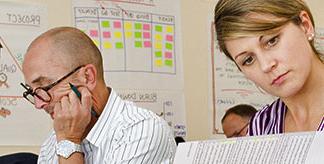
(141, 48)
(20, 123)
(290, 148)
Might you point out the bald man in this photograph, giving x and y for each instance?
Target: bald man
(97, 127)
(236, 120)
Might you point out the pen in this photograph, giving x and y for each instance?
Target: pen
(75, 90)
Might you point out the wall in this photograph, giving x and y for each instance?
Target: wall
(195, 39)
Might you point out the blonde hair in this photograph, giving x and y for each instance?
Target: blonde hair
(235, 18)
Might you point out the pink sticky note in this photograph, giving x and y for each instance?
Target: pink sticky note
(94, 33)
(169, 38)
(106, 34)
(146, 27)
(146, 35)
(147, 44)
(117, 24)
(168, 55)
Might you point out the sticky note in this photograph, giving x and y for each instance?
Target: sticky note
(138, 35)
(106, 34)
(117, 24)
(168, 62)
(158, 28)
(158, 45)
(146, 35)
(138, 44)
(138, 26)
(158, 62)
(94, 33)
(158, 54)
(119, 45)
(128, 34)
(105, 24)
(158, 37)
(147, 44)
(117, 34)
(128, 25)
(168, 55)
(168, 46)
(169, 38)
(107, 45)
(169, 29)
(146, 27)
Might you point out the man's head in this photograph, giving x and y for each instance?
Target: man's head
(57, 57)
(236, 120)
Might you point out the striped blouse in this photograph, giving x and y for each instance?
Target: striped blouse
(270, 120)
(123, 133)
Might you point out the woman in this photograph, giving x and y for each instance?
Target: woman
(272, 43)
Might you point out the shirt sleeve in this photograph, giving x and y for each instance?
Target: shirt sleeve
(147, 141)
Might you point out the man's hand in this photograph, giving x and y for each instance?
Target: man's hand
(72, 116)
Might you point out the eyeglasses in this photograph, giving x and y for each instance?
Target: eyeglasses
(42, 92)
(238, 133)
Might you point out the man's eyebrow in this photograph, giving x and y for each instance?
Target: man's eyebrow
(40, 79)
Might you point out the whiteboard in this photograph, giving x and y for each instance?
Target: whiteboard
(140, 42)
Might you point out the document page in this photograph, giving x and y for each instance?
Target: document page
(289, 148)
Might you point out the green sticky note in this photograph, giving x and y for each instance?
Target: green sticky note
(138, 26)
(138, 35)
(119, 45)
(168, 46)
(158, 28)
(158, 54)
(105, 24)
(168, 62)
(138, 44)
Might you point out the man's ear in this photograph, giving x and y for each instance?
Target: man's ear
(90, 76)
(306, 23)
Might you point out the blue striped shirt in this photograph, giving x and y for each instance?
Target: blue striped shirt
(271, 120)
(123, 133)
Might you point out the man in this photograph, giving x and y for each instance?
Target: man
(99, 127)
(236, 120)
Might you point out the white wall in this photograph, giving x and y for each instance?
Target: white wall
(195, 56)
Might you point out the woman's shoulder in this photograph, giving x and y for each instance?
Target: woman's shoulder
(269, 119)
(271, 109)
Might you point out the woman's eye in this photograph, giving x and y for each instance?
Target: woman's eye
(272, 42)
(248, 60)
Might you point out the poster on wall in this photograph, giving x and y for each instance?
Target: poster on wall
(141, 48)
(20, 123)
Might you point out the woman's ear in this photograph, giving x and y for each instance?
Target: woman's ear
(90, 76)
(306, 24)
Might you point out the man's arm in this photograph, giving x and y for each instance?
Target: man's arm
(147, 141)
(71, 119)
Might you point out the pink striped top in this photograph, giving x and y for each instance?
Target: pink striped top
(270, 120)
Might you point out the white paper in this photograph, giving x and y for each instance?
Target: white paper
(19, 25)
(289, 148)
(141, 46)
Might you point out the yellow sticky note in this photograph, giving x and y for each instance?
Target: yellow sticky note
(128, 25)
(158, 62)
(158, 45)
(118, 34)
(128, 34)
(107, 45)
(169, 29)
(158, 37)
